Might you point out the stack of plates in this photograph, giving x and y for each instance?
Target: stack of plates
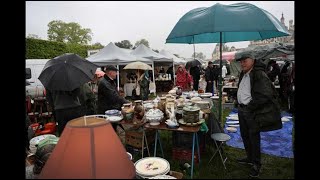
(35, 141)
(232, 121)
(151, 166)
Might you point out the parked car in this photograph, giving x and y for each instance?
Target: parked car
(34, 87)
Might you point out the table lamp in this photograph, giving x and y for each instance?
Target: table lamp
(88, 148)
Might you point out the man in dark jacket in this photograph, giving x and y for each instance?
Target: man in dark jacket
(108, 95)
(273, 70)
(209, 76)
(195, 73)
(66, 105)
(258, 109)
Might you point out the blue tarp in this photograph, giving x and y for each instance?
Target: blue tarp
(277, 143)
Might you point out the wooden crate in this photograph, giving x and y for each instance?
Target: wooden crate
(134, 138)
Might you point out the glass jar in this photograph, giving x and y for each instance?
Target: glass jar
(138, 109)
(127, 111)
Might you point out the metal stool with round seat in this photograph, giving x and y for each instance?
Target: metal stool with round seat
(222, 138)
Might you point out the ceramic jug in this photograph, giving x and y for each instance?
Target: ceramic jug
(138, 109)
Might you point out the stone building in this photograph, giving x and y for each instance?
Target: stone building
(284, 39)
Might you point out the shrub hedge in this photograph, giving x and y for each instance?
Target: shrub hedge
(43, 49)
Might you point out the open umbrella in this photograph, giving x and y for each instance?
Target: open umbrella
(226, 23)
(193, 63)
(138, 65)
(67, 72)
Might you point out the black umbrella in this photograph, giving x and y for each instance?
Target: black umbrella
(67, 72)
(193, 63)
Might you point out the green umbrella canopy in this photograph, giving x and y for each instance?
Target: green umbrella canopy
(226, 23)
(238, 22)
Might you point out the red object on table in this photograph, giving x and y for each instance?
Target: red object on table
(49, 128)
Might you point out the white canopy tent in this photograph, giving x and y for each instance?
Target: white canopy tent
(176, 60)
(111, 54)
(145, 52)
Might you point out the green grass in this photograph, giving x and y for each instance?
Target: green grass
(272, 167)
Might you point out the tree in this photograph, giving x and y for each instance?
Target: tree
(142, 41)
(97, 45)
(33, 36)
(124, 44)
(68, 32)
(199, 55)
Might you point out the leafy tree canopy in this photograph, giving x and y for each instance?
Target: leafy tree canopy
(142, 41)
(124, 44)
(68, 32)
(199, 55)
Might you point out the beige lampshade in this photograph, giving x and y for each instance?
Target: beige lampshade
(89, 148)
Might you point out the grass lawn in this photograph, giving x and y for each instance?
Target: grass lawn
(272, 167)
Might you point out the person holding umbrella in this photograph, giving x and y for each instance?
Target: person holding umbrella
(108, 95)
(144, 83)
(258, 109)
(62, 77)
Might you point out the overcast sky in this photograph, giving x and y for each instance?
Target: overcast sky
(114, 21)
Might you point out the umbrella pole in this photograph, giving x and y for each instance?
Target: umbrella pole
(154, 80)
(173, 74)
(118, 76)
(194, 49)
(220, 83)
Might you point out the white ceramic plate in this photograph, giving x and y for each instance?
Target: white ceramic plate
(285, 119)
(233, 125)
(231, 129)
(114, 118)
(289, 117)
(233, 118)
(163, 177)
(152, 166)
(214, 97)
(232, 122)
(233, 115)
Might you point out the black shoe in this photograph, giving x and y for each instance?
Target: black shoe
(255, 171)
(244, 161)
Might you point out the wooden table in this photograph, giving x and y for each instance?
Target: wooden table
(182, 128)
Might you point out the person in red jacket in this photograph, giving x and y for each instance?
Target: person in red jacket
(184, 79)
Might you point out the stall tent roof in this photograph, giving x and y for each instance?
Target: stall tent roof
(111, 54)
(176, 60)
(143, 51)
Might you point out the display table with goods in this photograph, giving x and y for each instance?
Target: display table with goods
(182, 128)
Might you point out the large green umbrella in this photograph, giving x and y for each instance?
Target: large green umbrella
(226, 23)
